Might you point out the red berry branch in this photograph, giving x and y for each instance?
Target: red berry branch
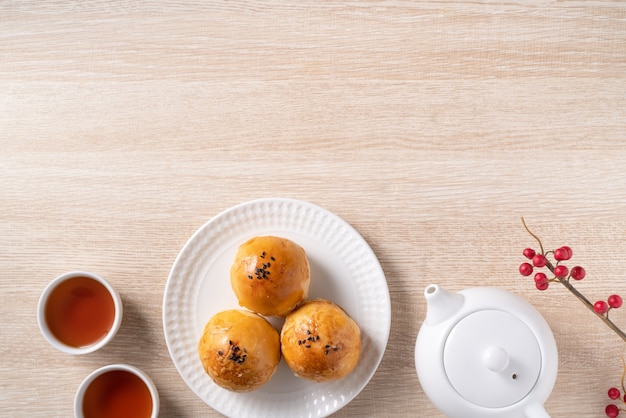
(562, 274)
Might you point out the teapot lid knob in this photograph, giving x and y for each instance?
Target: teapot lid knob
(496, 359)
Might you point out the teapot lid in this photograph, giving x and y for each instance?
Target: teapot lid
(492, 358)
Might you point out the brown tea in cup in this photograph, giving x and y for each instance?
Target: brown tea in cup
(118, 393)
(117, 390)
(80, 311)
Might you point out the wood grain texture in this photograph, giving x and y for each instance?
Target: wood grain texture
(430, 126)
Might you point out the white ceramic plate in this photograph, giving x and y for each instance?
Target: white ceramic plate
(343, 269)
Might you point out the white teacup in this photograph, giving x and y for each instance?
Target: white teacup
(79, 312)
(117, 390)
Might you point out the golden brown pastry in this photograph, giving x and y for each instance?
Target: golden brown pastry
(320, 342)
(270, 275)
(239, 350)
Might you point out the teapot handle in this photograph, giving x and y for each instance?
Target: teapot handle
(536, 410)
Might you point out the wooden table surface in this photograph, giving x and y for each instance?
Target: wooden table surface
(429, 126)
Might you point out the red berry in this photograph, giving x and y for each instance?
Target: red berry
(614, 393)
(561, 272)
(600, 307)
(540, 277)
(561, 254)
(615, 301)
(542, 285)
(611, 411)
(539, 260)
(568, 250)
(525, 269)
(578, 273)
(529, 253)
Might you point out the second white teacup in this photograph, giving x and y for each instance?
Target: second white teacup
(115, 391)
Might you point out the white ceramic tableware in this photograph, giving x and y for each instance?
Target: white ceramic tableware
(485, 353)
(344, 269)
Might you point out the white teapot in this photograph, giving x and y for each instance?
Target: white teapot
(485, 352)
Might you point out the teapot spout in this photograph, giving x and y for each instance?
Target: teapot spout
(442, 305)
